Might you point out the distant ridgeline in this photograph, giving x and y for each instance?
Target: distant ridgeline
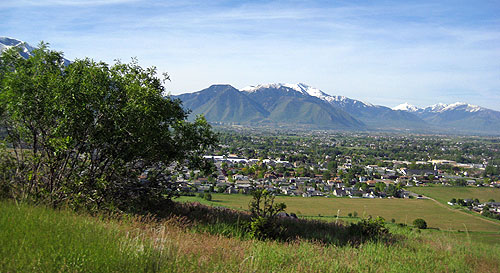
(299, 105)
(302, 106)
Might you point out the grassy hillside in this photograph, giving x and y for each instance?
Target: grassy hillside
(34, 239)
(445, 194)
(402, 210)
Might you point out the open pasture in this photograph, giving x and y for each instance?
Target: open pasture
(445, 194)
(402, 210)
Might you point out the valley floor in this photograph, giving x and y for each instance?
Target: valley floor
(401, 210)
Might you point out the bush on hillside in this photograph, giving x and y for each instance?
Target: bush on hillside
(264, 210)
(368, 229)
(420, 223)
(208, 196)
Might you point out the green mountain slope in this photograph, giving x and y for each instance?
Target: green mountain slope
(289, 106)
(223, 103)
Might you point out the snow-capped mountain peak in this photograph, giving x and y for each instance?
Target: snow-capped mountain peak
(406, 107)
(436, 107)
(457, 106)
(299, 87)
(7, 42)
(307, 91)
(26, 49)
(463, 106)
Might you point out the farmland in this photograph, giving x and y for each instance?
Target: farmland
(402, 210)
(445, 194)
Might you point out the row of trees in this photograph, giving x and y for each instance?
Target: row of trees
(92, 135)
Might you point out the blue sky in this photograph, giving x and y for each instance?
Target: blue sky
(383, 52)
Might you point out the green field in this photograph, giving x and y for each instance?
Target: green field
(445, 194)
(402, 210)
(38, 239)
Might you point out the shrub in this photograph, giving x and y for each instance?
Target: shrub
(490, 214)
(368, 229)
(264, 228)
(262, 204)
(208, 196)
(264, 210)
(420, 223)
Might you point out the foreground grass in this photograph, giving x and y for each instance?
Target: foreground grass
(401, 210)
(39, 239)
(35, 239)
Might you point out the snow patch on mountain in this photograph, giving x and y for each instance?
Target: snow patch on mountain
(308, 91)
(457, 106)
(7, 42)
(464, 106)
(406, 107)
(26, 49)
(440, 108)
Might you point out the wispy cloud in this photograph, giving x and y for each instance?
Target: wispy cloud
(52, 3)
(385, 53)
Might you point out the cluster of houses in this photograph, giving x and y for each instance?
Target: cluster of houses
(317, 186)
(475, 205)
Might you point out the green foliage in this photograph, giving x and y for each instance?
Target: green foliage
(262, 204)
(208, 196)
(264, 210)
(490, 214)
(380, 186)
(491, 170)
(391, 190)
(459, 182)
(83, 134)
(368, 229)
(262, 228)
(420, 223)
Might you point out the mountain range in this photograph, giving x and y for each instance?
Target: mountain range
(26, 49)
(457, 116)
(303, 105)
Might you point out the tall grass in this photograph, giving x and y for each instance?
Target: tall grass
(37, 239)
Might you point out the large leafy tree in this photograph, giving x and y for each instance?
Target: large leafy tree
(91, 134)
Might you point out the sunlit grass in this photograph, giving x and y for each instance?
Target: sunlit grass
(401, 210)
(444, 194)
(37, 239)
